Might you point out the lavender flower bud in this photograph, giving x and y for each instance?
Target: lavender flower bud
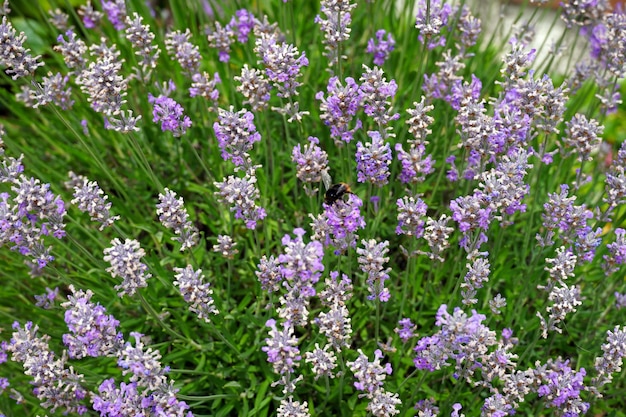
(242, 24)
(369, 376)
(560, 387)
(373, 160)
(617, 253)
(269, 274)
(323, 361)
(46, 301)
(221, 38)
(283, 353)
(116, 12)
(436, 234)
(371, 260)
(240, 194)
(73, 50)
(17, 59)
(90, 199)
(226, 246)
(420, 121)
(312, 164)
(56, 386)
(180, 49)
(254, 87)
(336, 326)
(497, 303)
(613, 352)
(203, 86)
(335, 27)
(236, 134)
(415, 164)
(380, 47)
(377, 95)
(143, 364)
(478, 270)
(406, 330)
(344, 219)
(125, 260)
(196, 292)
(564, 301)
(410, 212)
(170, 114)
(430, 21)
(582, 135)
(90, 16)
(92, 332)
(339, 108)
(142, 40)
(58, 19)
(301, 264)
(383, 404)
(173, 215)
(102, 81)
(282, 62)
(336, 292)
(54, 89)
(290, 408)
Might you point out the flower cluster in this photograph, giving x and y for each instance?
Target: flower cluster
(339, 108)
(336, 27)
(411, 210)
(381, 47)
(343, 219)
(312, 163)
(90, 199)
(377, 95)
(236, 133)
(170, 114)
(617, 252)
(336, 323)
(196, 292)
(30, 215)
(370, 377)
(240, 194)
(456, 342)
(226, 246)
(55, 385)
(269, 274)
(180, 49)
(17, 59)
(254, 87)
(102, 80)
(373, 160)
(282, 352)
(613, 352)
(371, 260)
(172, 215)
(92, 332)
(203, 86)
(142, 40)
(125, 260)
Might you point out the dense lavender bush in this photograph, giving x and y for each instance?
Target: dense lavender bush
(168, 247)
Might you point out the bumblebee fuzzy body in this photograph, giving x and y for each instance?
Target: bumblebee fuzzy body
(336, 191)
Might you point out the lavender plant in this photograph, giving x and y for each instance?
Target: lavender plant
(473, 266)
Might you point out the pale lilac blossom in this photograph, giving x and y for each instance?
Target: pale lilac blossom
(196, 292)
(173, 215)
(125, 260)
(380, 47)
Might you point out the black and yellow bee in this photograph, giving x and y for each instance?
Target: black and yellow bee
(336, 191)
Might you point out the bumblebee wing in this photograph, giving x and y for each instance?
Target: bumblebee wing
(326, 179)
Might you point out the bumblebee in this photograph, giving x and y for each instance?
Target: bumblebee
(336, 191)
